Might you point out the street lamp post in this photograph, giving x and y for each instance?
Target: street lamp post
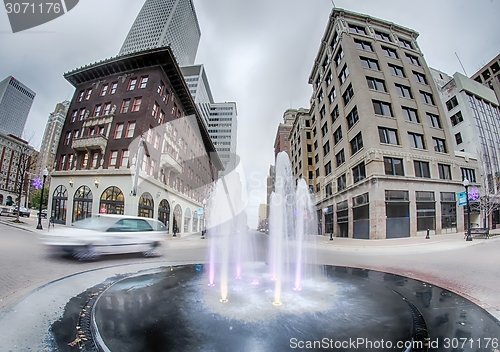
(203, 229)
(466, 185)
(39, 226)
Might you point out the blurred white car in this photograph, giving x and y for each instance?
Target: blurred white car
(106, 234)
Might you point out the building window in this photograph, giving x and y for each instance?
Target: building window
(143, 82)
(340, 158)
(136, 106)
(88, 93)
(112, 158)
(332, 95)
(118, 131)
(329, 78)
(337, 135)
(320, 95)
(335, 40)
(85, 161)
(416, 140)
(439, 145)
(456, 119)
(388, 135)
(469, 174)
(382, 36)
(326, 149)
(389, 52)
(434, 120)
(352, 117)
(427, 98)
(376, 84)
(80, 96)
(341, 183)
(114, 85)
(362, 45)
(317, 172)
(132, 84)
(328, 190)
(348, 94)
(426, 211)
(74, 114)
(130, 129)
(357, 29)
(97, 110)
(444, 171)
(162, 117)
(405, 43)
(124, 158)
(450, 104)
(343, 74)
(396, 70)
(448, 210)
(81, 115)
(382, 108)
(62, 162)
(95, 159)
(413, 60)
(157, 141)
(356, 143)
(410, 114)
(371, 64)
(67, 138)
(104, 90)
(393, 166)
(324, 129)
(419, 77)
(458, 138)
(335, 113)
(322, 112)
(358, 172)
(155, 110)
(107, 109)
(338, 57)
(422, 169)
(404, 91)
(125, 106)
(328, 168)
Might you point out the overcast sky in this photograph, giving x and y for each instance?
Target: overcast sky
(257, 53)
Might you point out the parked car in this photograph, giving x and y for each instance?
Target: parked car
(44, 213)
(106, 234)
(22, 211)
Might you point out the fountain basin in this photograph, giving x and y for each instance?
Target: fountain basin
(173, 309)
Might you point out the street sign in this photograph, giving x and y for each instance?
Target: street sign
(462, 199)
(199, 211)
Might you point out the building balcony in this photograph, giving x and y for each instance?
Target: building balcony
(170, 164)
(86, 143)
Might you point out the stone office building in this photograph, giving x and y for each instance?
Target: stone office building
(385, 165)
(133, 143)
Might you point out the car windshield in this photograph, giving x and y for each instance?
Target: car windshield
(96, 223)
(113, 224)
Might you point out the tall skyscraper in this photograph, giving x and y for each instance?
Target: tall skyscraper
(222, 128)
(51, 136)
(197, 81)
(165, 22)
(15, 105)
(489, 75)
(384, 162)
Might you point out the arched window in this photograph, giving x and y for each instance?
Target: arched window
(195, 221)
(187, 219)
(146, 206)
(9, 201)
(112, 201)
(177, 219)
(82, 203)
(164, 212)
(59, 205)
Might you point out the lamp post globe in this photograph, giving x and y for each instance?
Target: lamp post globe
(465, 183)
(45, 173)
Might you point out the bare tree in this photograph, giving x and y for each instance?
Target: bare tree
(27, 160)
(488, 199)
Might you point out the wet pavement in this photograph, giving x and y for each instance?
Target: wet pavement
(447, 261)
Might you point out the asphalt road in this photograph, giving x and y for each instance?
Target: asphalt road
(470, 269)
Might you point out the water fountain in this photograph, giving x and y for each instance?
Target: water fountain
(240, 300)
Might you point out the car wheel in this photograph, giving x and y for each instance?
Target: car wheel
(153, 251)
(87, 253)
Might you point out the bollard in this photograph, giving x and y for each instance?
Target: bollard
(202, 234)
(331, 236)
(428, 237)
